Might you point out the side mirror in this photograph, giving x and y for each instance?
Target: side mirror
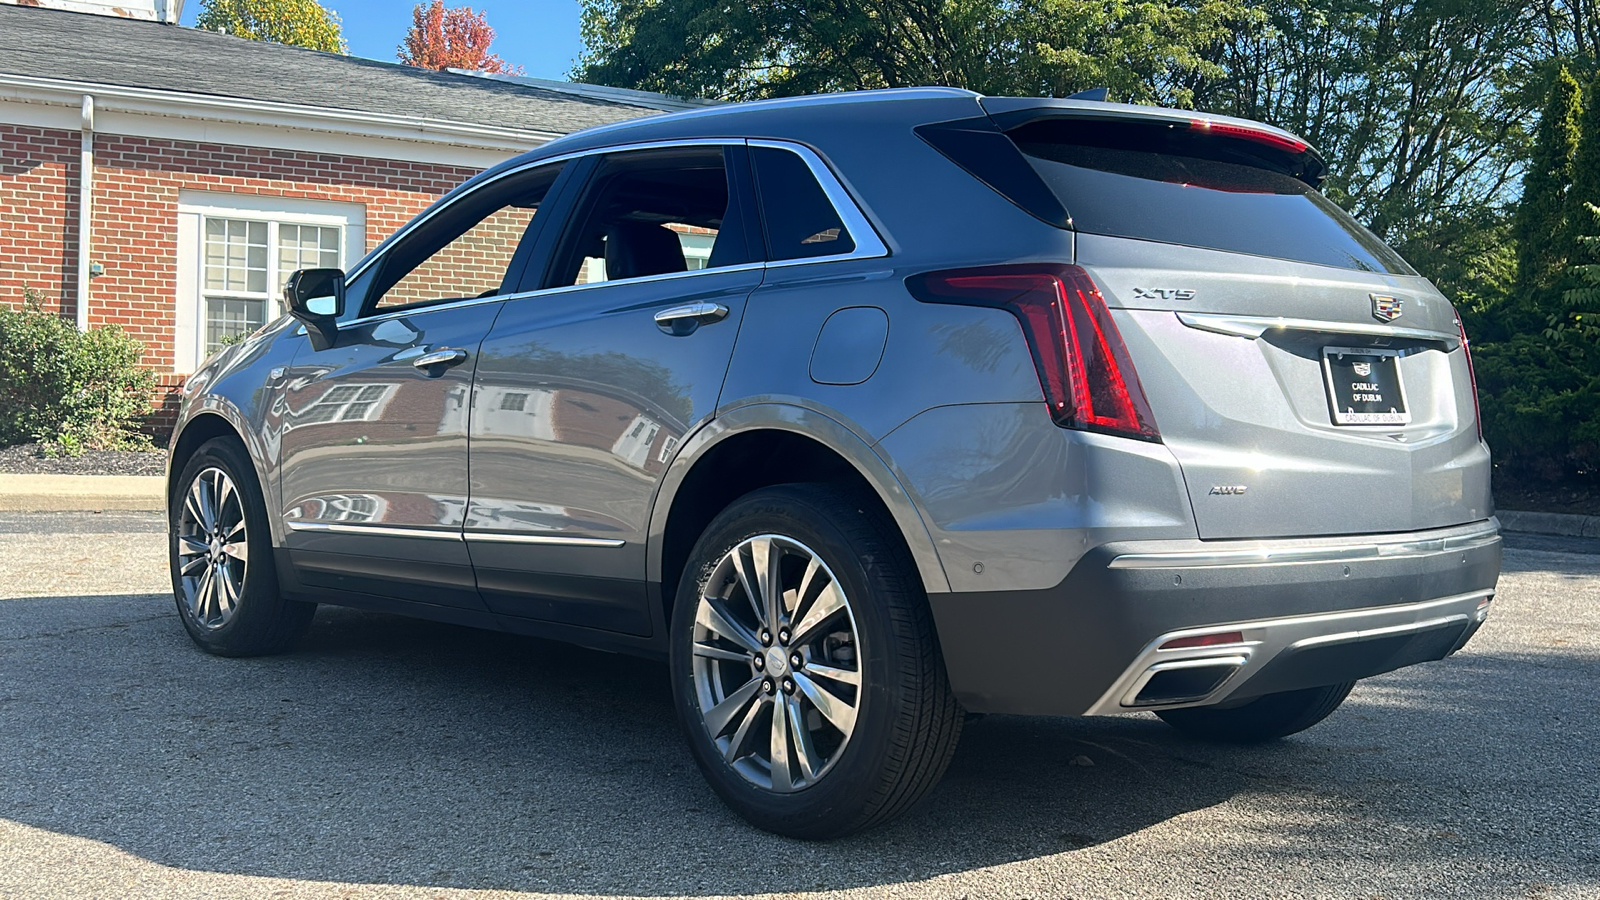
(316, 297)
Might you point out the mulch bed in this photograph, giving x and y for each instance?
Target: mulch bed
(29, 459)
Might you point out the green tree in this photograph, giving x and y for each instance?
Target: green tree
(301, 23)
(1144, 50)
(1539, 227)
(1577, 222)
(1418, 105)
(1577, 322)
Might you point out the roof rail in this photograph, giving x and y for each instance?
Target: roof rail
(628, 96)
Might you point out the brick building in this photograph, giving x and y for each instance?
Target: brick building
(211, 166)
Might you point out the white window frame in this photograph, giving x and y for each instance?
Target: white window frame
(194, 207)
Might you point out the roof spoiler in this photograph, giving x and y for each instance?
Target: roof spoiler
(1014, 112)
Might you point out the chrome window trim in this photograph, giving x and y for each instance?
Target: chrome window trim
(500, 537)
(434, 210)
(1255, 326)
(492, 537)
(474, 301)
(868, 244)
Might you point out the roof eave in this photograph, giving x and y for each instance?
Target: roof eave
(208, 107)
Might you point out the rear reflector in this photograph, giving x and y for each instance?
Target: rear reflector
(1204, 640)
(1246, 133)
(1083, 366)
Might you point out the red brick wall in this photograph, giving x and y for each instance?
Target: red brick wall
(137, 181)
(38, 214)
(136, 187)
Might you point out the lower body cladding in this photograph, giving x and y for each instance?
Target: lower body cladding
(1165, 624)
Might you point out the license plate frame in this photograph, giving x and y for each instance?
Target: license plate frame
(1367, 397)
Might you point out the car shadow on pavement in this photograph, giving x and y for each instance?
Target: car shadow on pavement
(397, 751)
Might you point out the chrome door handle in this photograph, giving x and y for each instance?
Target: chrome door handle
(446, 357)
(684, 319)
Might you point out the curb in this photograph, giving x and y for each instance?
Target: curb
(77, 493)
(1564, 524)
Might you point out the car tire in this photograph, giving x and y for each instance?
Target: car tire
(828, 550)
(220, 552)
(1263, 719)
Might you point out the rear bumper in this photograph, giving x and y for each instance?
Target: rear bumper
(1307, 612)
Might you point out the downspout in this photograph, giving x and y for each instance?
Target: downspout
(85, 209)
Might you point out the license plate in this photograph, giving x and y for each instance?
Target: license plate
(1364, 386)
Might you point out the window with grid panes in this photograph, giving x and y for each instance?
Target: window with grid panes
(246, 264)
(347, 403)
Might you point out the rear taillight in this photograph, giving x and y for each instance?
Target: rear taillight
(1247, 133)
(1472, 376)
(1083, 365)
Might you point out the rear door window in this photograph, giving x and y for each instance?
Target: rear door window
(800, 220)
(648, 213)
(1152, 183)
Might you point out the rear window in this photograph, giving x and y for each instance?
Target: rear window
(1157, 183)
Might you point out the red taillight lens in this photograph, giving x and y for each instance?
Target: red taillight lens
(1472, 376)
(1083, 365)
(1246, 133)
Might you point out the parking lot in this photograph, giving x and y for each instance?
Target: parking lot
(397, 758)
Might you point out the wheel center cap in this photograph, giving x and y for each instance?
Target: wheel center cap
(777, 661)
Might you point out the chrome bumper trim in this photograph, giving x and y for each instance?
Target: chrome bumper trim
(1265, 639)
(1400, 548)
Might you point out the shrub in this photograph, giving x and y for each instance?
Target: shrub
(67, 389)
(1541, 407)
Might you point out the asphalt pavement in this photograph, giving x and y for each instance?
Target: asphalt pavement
(397, 758)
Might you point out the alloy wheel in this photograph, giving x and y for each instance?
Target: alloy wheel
(777, 667)
(213, 550)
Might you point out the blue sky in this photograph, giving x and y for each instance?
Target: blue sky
(539, 35)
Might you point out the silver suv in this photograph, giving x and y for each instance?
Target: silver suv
(865, 412)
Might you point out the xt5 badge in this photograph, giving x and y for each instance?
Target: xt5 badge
(1140, 293)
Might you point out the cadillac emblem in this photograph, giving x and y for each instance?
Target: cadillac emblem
(1385, 308)
(1362, 369)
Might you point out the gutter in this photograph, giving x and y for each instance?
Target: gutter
(212, 108)
(85, 209)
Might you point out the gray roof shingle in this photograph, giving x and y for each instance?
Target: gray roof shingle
(105, 50)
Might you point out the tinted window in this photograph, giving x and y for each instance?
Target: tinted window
(800, 221)
(467, 249)
(1201, 192)
(653, 212)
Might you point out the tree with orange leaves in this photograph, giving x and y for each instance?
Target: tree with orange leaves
(451, 38)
